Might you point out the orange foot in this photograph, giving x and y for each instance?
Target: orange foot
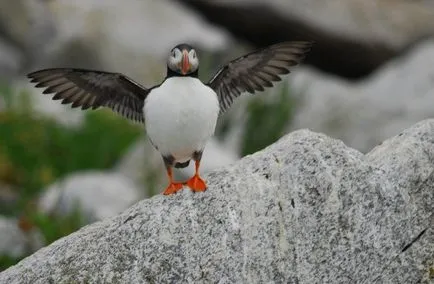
(196, 183)
(172, 188)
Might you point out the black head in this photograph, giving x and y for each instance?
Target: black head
(182, 61)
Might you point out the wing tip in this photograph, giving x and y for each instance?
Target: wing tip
(41, 73)
(34, 74)
(303, 45)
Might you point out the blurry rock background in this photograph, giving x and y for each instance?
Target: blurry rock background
(369, 76)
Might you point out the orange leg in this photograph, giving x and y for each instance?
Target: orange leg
(196, 183)
(173, 187)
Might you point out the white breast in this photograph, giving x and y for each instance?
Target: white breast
(181, 116)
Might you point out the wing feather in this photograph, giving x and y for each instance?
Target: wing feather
(257, 70)
(93, 89)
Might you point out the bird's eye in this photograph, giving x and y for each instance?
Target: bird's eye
(173, 53)
(194, 54)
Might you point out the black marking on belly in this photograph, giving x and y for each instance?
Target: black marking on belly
(182, 165)
(169, 160)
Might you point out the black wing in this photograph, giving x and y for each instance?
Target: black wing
(93, 89)
(257, 70)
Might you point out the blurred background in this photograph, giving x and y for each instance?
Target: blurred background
(369, 76)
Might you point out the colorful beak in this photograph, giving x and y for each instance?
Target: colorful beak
(185, 63)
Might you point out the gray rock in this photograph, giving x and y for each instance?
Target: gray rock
(133, 37)
(10, 60)
(364, 113)
(44, 104)
(26, 29)
(215, 156)
(395, 23)
(352, 38)
(15, 242)
(307, 209)
(96, 194)
(143, 165)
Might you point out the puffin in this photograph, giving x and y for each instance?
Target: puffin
(179, 114)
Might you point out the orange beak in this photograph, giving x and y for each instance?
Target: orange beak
(185, 63)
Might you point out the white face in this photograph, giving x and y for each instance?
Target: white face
(182, 61)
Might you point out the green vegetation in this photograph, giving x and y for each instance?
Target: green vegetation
(6, 261)
(266, 121)
(36, 150)
(54, 227)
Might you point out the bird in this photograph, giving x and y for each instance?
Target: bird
(180, 113)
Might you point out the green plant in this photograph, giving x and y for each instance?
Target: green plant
(36, 151)
(6, 261)
(266, 120)
(55, 227)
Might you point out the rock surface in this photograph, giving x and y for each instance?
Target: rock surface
(26, 28)
(96, 194)
(307, 209)
(352, 38)
(10, 60)
(15, 242)
(365, 113)
(131, 36)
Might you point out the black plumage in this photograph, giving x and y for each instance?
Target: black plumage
(257, 70)
(93, 89)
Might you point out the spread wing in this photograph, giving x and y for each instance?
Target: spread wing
(257, 70)
(93, 89)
